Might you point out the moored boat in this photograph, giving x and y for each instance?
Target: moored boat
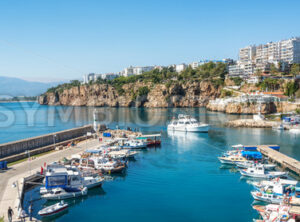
(260, 172)
(248, 164)
(53, 209)
(186, 123)
(60, 193)
(234, 159)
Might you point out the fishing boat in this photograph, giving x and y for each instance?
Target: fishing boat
(186, 123)
(67, 193)
(276, 181)
(260, 172)
(53, 209)
(274, 212)
(248, 164)
(151, 140)
(265, 197)
(232, 160)
(102, 163)
(132, 144)
(121, 154)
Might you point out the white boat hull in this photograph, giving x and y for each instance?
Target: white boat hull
(263, 176)
(201, 128)
(66, 195)
(262, 198)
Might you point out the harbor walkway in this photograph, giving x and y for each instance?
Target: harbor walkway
(281, 159)
(8, 192)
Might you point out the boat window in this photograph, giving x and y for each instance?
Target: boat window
(187, 123)
(175, 123)
(180, 122)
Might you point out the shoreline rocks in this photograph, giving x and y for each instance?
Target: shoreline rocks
(250, 123)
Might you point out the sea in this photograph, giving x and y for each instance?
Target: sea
(182, 180)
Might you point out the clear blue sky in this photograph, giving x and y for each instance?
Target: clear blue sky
(45, 40)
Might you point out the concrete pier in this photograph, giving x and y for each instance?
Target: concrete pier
(281, 159)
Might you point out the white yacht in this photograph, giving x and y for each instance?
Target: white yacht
(186, 123)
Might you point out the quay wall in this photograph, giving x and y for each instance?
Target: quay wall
(36, 143)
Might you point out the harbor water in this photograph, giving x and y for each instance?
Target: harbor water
(180, 181)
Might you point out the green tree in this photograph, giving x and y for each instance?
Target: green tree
(291, 88)
(295, 69)
(273, 69)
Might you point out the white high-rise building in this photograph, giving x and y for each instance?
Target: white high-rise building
(253, 58)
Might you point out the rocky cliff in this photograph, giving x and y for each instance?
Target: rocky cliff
(191, 94)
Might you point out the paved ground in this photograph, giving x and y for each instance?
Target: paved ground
(9, 194)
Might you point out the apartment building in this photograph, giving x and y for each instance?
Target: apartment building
(254, 58)
(130, 71)
(179, 68)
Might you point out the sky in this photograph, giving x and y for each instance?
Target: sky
(62, 40)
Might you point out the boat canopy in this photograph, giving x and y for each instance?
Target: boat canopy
(250, 148)
(252, 155)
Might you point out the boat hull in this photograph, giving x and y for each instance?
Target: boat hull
(265, 199)
(43, 213)
(200, 129)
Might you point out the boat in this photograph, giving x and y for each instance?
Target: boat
(248, 164)
(151, 140)
(53, 209)
(67, 193)
(265, 197)
(274, 212)
(132, 144)
(68, 177)
(260, 172)
(276, 181)
(121, 154)
(234, 159)
(186, 123)
(104, 164)
(280, 127)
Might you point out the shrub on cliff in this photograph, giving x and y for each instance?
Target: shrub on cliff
(291, 88)
(237, 80)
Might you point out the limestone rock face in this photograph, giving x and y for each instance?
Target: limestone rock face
(243, 108)
(191, 94)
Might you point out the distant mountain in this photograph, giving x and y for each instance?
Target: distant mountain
(18, 87)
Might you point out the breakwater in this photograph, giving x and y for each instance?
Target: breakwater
(13, 151)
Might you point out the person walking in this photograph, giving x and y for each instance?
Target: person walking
(10, 212)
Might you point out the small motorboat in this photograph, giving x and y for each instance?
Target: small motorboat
(248, 164)
(259, 172)
(60, 193)
(53, 209)
(280, 127)
(233, 159)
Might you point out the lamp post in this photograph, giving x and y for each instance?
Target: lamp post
(54, 140)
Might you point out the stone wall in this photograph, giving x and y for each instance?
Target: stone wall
(17, 147)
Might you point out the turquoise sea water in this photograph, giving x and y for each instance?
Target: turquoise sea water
(181, 181)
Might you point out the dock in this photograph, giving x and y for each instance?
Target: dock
(281, 159)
